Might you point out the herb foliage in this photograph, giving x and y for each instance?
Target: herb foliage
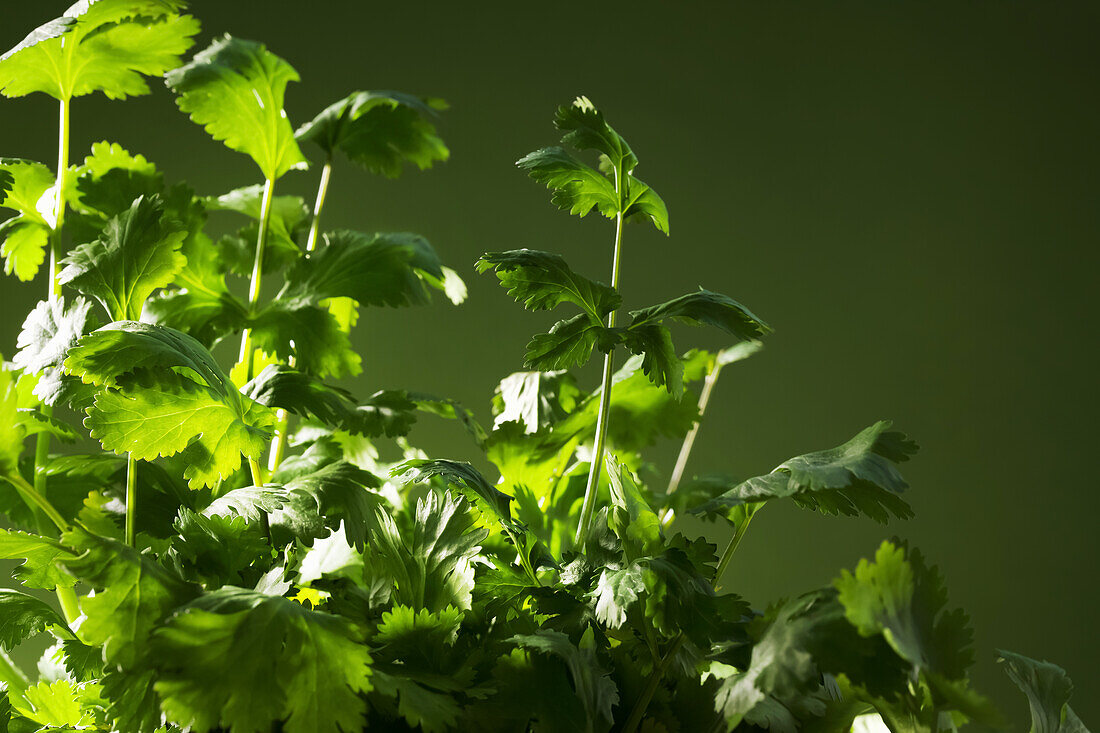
(349, 580)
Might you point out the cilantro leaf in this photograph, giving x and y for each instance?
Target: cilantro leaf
(26, 235)
(242, 660)
(319, 499)
(591, 683)
(576, 187)
(104, 355)
(216, 549)
(59, 705)
(331, 556)
(310, 333)
(431, 564)
(612, 190)
(99, 46)
(631, 517)
(137, 253)
(133, 594)
(235, 89)
(543, 280)
(149, 416)
(704, 307)
(462, 476)
(421, 707)
(1048, 689)
(387, 412)
(387, 269)
(23, 616)
(567, 343)
(40, 555)
(858, 477)
(902, 599)
(248, 502)
(48, 333)
(379, 131)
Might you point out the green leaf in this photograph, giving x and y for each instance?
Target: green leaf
(586, 129)
(418, 637)
(137, 253)
(40, 555)
(536, 400)
(389, 413)
(379, 131)
(653, 342)
(592, 684)
(576, 187)
(579, 188)
(296, 328)
(902, 599)
(318, 500)
(48, 333)
(858, 477)
(150, 416)
(431, 565)
(99, 46)
(543, 280)
(329, 557)
(217, 549)
(59, 705)
(133, 594)
(235, 89)
(23, 616)
(705, 308)
(568, 343)
(1048, 689)
(249, 502)
(631, 517)
(422, 708)
(462, 476)
(387, 269)
(242, 660)
(25, 236)
(104, 355)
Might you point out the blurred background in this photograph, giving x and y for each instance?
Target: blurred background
(907, 192)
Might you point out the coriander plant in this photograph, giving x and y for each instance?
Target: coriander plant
(249, 547)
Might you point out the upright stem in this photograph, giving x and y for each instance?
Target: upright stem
(651, 686)
(131, 498)
(11, 675)
(322, 190)
(589, 505)
(667, 514)
(731, 548)
(257, 274)
(282, 419)
(32, 495)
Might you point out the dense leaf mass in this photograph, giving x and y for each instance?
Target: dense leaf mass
(249, 546)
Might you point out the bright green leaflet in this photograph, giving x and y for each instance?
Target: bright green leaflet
(245, 660)
(26, 234)
(137, 253)
(99, 46)
(1048, 689)
(235, 89)
(379, 131)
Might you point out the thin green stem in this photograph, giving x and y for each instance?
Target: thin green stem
(13, 676)
(31, 494)
(689, 440)
(258, 480)
(131, 498)
(523, 558)
(70, 607)
(589, 505)
(282, 418)
(59, 210)
(651, 685)
(318, 204)
(731, 548)
(246, 354)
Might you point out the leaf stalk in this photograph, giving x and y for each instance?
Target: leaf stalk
(731, 548)
(11, 675)
(131, 498)
(588, 506)
(247, 352)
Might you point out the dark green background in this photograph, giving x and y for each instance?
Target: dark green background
(906, 191)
